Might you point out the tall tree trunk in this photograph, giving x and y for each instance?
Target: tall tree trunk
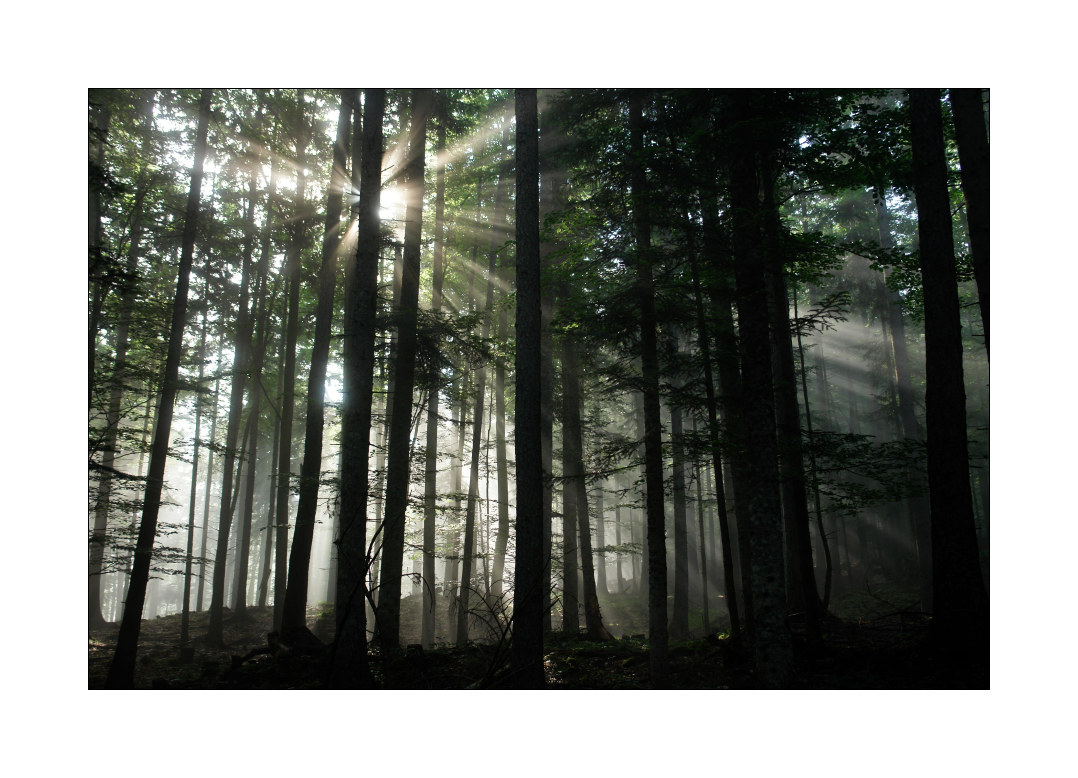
(703, 543)
(293, 260)
(102, 112)
(532, 576)
(349, 666)
(430, 477)
(704, 344)
(972, 136)
(679, 623)
(263, 305)
(814, 478)
(215, 635)
(600, 539)
(722, 294)
(550, 199)
(270, 529)
(773, 651)
(576, 486)
(802, 597)
(119, 368)
(501, 542)
(294, 615)
(653, 462)
(243, 540)
(397, 467)
(497, 231)
(122, 670)
(960, 602)
(185, 612)
(918, 507)
(209, 480)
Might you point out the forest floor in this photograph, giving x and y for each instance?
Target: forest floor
(884, 651)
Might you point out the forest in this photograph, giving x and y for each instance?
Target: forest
(538, 388)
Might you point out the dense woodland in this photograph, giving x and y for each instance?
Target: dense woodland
(587, 388)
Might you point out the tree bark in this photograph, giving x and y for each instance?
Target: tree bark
(679, 622)
(215, 634)
(497, 221)
(185, 611)
(972, 136)
(532, 576)
(653, 463)
(294, 614)
(397, 467)
(119, 369)
(704, 344)
(960, 602)
(349, 665)
(576, 488)
(122, 670)
(430, 478)
(772, 645)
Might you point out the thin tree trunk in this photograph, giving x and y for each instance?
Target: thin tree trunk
(122, 670)
(576, 485)
(185, 613)
(551, 180)
(467, 573)
(243, 541)
(119, 369)
(430, 482)
(397, 467)
(209, 480)
(294, 614)
(293, 260)
(679, 624)
(653, 463)
(215, 634)
(704, 344)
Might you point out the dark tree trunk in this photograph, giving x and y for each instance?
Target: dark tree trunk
(722, 294)
(532, 576)
(551, 181)
(349, 667)
(468, 565)
(215, 635)
(802, 597)
(243, 541)
(271, 510)
(119, 371)
(773, 652)
(294, 614)
(918, 507)
(960, 602)
(185, 610)
(99, 128)
(679, 622)
(209, 481)
(576, 486)
(730, 590)
(649, 353)
(122, 670)
(972, 136)
(430, 479)
(293, 265)
(397, 467)
(501, 542)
